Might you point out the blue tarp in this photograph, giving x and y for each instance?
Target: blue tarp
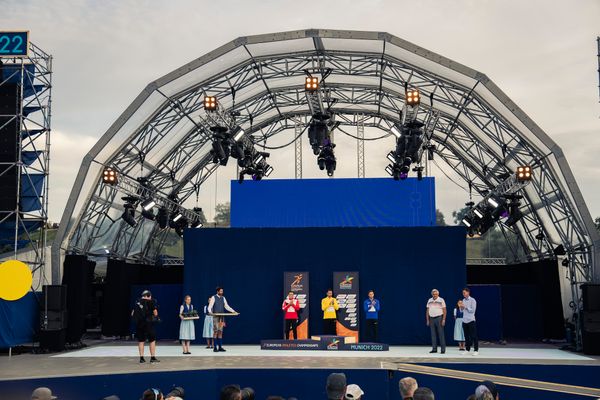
(28, 157)
(31, 189)
(19, 320)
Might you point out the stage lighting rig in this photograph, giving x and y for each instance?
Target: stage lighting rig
(210, 103)
(109, 176)
(326, 159)
(413, 97)
(162, 217)
(129, 210)
(221, 145)
(311, 83)
(524, 173)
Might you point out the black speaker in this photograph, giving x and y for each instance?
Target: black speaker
(55, 296)
(591, 332)
(53, 320)
(9, 133)
(78, 276)
(53, 340)
(590, 292)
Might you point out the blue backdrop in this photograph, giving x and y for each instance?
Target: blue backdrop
(19, 320)
(333, 203)
(402, 265)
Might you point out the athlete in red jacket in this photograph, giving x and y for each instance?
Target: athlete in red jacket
(290, 307)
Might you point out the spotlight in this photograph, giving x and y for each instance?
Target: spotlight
(196, 224)
(180, 226)
(210, 103)
(478, 213)
(514, 214)
(466, 222)
(148, 204)
(493, 202)
(240, 134)
(258, 158)
(268, 171)
(311, 83)
(390, 170)
(391, 156)
(149, 214)
(162, 217)
(413, 97)
(177, 217)
(129, 215)
(395, 131)
(109, 176)
(524, 173)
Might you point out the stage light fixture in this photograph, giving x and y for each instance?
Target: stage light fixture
(493, 202)
(390, 170)
(311, 83)
(560, 250)
(240, 134)
(395, 131)
(162, 217)
(466, 222)
(129, 215)
(149, 214)
(196, 224)
(109, 176)
(392, 157)
(524, 173)
(177, 217)
(148, 204)
(210, 103)
(268, 171)
(478, 213)
(258, 158)
(565, 262)
(413, 98)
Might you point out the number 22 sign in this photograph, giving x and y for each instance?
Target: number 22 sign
(14, 44)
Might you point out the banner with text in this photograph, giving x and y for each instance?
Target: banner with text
(346, 289)
(297, 282)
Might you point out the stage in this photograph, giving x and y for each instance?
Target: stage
(543, 369)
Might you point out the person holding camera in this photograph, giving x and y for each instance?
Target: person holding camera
(291, 306)
(144, 313)
(329, 305)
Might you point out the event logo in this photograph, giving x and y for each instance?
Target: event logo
(333, 345)
(347, 282)
(297, 285)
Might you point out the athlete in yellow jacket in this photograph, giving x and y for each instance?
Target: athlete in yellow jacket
(329, 305)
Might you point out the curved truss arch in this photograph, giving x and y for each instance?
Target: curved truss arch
(164, 135)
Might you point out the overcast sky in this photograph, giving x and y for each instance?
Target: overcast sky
(541, 53)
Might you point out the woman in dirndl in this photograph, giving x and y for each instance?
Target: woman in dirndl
(208, 330)
(187, 331)
(459, 334)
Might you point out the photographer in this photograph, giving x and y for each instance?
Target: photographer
(144, 312)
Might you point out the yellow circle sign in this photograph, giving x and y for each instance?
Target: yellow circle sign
(15, 280)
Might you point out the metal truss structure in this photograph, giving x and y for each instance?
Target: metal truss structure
(27, 222)
(164, 135)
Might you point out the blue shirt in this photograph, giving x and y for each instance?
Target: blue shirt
(367, 306)
(470, 305)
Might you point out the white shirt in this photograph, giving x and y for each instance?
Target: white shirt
(435, 307)
(470, 305)
(211, 303)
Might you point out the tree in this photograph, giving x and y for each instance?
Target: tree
(439, 218)
(223, 214)
(459, 215)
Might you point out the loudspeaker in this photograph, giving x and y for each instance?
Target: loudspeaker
(53, 340)
(591, 332)
(78, 276)
(55, 296)
(53, 320)
(9, 133)
(590, 292)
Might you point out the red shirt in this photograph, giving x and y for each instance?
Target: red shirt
(291, 309)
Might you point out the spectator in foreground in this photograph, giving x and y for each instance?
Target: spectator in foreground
(152, 394)
(407, 387)
(336, 386)
(231, 392)
(489, 387)
(423, 393)
(354, 392)
(42, 393)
